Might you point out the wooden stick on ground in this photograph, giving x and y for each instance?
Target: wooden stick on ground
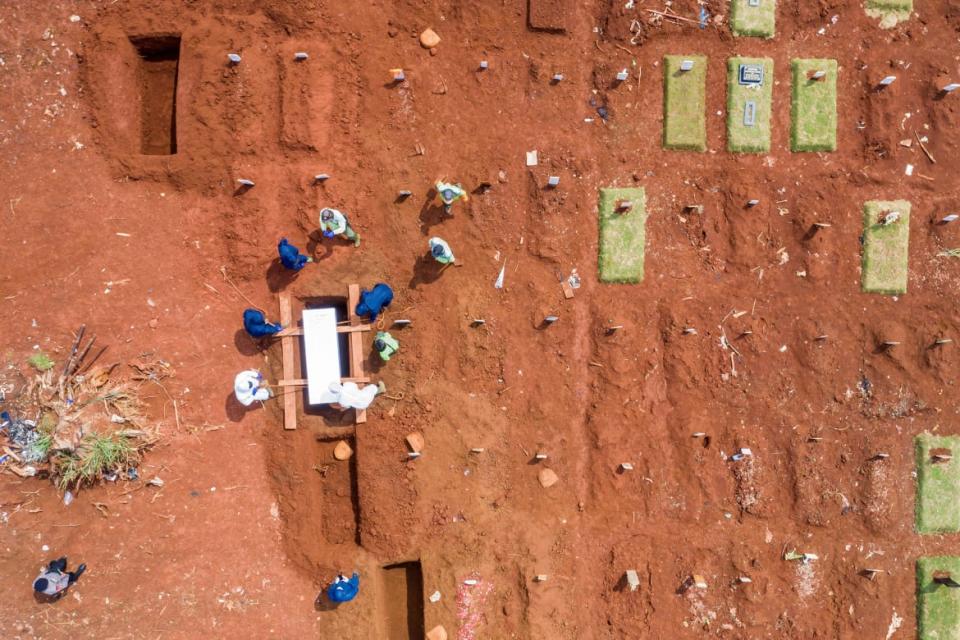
(924, 147)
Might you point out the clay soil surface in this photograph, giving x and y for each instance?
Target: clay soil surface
(119, 209)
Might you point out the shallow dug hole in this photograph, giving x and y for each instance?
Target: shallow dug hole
(403, 601)
(158, 63)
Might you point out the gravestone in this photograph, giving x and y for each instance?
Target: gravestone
(750, 113)
(751, 75)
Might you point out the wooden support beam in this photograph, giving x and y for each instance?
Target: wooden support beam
(287, 345)
(298, 331)
(355, 339)
(302, 382)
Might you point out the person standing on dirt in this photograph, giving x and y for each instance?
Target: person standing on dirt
(386, 345)
(249, 387)
(333, 223)
(373, 302)
(290, 256)
(257, 326)
(53, 581)
(441, 251)
(349, 396)
(450, 193)
(343, 590)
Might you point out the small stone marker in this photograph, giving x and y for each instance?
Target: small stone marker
(342, 451)
(540, 456)
(744, 580)
(321, 177)
(741, 454)
(821, 338)
(695, 580)
(946, 579)
(622, 75)
(752, 203)
(888, 80)
(470, 582)
(550, 319)
(750, 75)
(532, 158)
(246, 183)
(814, 439)
(402, 322)
(623, 206)
(689, 331)
(415, 442)
(567, 290)
(881, 456)
(234, 58)
(300, 56)
(817, 75)
(435, 596)
(942, 341)
(951, 87)
(750, 113)
(821, 225)
(686, 65)
(429, 39)
(940, 456)
(626, 466)
(890, 217)
(633, 580)
(484, 65)
(437, 633)
(413, 455)
(547, 478)
(477, 450)
(753, 3)
(478, 322)
(398, 75)
(404, 194)
(553, 181)
(947, 219)
(870, 574)
(557, 77)
(540, 577)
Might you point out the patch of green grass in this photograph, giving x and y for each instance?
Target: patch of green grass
(740, 137)
(97, 454)
(40, 361)
(938, 606)
(814, 106)
(938, 486)
(889, 12)
(623, 236)
(759, 22)
(684, 104)
(885, 248)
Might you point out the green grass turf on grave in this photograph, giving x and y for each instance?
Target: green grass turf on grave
(889, 12)
(623, 236)
(740, 137)
(684, 104)
(938, 606)
(759, 22)
(938, 486)
(814, 125)
(885, 248)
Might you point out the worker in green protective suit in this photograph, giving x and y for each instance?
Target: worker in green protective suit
(386, 345)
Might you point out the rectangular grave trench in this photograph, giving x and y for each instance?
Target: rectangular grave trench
(158, 63)
(340, 502)
(403, 601)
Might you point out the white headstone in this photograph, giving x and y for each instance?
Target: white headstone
(626, 466)
(484, 64)
(320, 177)
(557, 77)
(300, 55)
(953, 86)
(553, 181)
(818, 74)
(245, 182)
(887, 81)
(949, 218)
(633, 580)
(686, 65)
(532, 158)
(234, 58)
(752, 203)
(399, 75)
(623, 75)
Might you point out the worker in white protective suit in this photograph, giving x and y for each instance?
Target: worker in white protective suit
(349, 396)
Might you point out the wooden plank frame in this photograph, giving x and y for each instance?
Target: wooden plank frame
(287, 345)
(355, 339)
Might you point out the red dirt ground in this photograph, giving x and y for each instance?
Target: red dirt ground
(253, 521)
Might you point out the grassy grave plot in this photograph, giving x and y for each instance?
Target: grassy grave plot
(938, 485)
(684, 104)
(889, 12)
(623, 235)
(742, 136)
(885, 247)
(759, 21)
(814, 105)
(938, 606)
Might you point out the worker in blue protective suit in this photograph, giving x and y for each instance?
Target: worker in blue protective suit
(257, 326)
(373, 302)
(342, 589)
(290, 256)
